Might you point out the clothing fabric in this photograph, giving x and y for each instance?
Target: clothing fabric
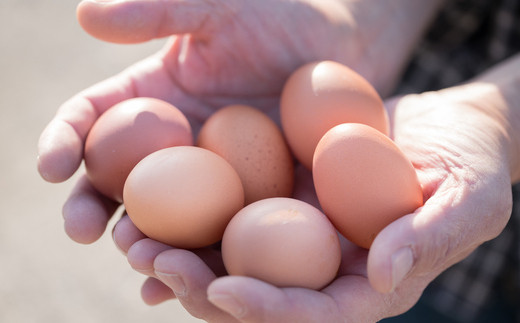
(466, 38)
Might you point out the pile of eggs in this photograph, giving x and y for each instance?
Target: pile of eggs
(234, 184)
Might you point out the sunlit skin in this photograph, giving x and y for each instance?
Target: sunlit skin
(460, 141)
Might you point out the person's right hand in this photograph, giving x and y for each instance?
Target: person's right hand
(464, 144)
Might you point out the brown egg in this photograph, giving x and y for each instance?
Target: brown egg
(283, 241)
(125, 134)
(254, 145)
(320, 95)
(183, 196)
(363, 181)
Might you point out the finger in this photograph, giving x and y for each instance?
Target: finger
(155, 292)
(60, 147)
(137, 21)
(188, 276)
(86, 213)
(348, 299)
(125, 234)
(141, 251)
(251, 300)
(451, 224)
(141, 255)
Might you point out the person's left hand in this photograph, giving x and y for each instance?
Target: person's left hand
(218, 53)
(463, 149)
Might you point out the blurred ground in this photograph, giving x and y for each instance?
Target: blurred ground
(45, 277)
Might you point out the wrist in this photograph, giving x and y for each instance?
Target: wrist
(502, 104)
(493, 97)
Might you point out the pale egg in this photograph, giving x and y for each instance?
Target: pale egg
(282, 241)
(183, 196)
(254, 145)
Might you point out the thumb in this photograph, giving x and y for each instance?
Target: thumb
(135, 21)
(428, 241)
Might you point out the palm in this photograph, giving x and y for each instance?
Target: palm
(247, 58)
(234, 52)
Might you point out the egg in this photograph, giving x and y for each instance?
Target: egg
(183, 196)
(254, 145)
(363, 181)
(320, 95)
(282, 241)
(126, 133)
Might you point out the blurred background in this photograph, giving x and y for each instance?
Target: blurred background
(45, 58)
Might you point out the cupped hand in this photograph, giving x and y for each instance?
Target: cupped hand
(460, 145)
(219, 52)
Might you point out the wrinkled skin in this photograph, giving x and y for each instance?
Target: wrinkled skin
(459, 140)
(467, 185)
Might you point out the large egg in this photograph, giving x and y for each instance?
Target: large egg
(363, 181)
(283, 241)
(125, 134)
(320, 95)
(254, 145)
(183, 196)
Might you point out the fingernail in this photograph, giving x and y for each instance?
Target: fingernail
(228, 303)
(174, 281)
(402, 262)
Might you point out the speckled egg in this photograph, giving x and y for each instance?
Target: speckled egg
(254, 145)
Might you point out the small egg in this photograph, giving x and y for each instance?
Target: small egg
(183, 196)
(320, 95)
(254, 145)
(363, 181)
(125, 134)
(282, 241)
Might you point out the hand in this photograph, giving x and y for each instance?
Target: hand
(464, 150)
(219, 53)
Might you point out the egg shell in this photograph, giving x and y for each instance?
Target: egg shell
(363, 181)
(254, 145)
(183, 196)
(321, 95)
(125, 134)
(283, 241)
